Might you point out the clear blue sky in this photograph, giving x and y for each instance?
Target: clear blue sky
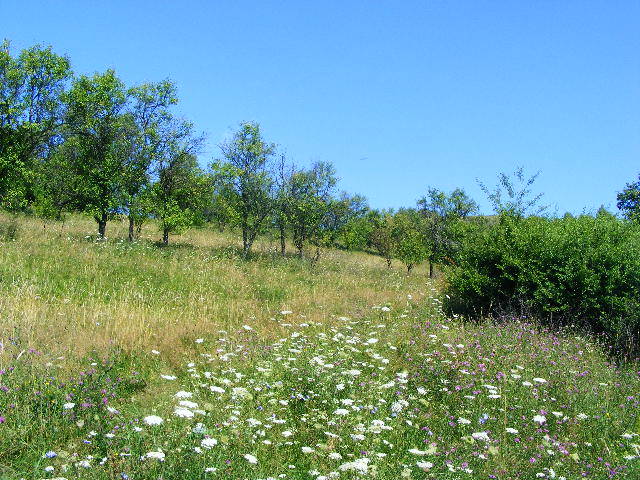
(399, 95)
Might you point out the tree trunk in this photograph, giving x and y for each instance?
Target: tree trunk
(165, 236)
(102, 225)
(388, 262)
(409, 267)
(283, 246)
(131, 231)
(430, 269)
(245, 241)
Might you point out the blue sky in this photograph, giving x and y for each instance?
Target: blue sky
(399, 95)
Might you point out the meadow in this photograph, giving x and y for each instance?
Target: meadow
(134, 360)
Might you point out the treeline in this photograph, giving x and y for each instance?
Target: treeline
(91, 144)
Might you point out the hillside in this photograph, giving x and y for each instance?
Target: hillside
(133, 360)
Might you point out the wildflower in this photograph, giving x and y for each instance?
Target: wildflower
(156, 455)
(208, 443)
(183, 412)
(152, 420)
(424, 465)
(168, 377)
(415, 451)
(484, 436)
(250, 458)
(463, 421)
(155, 352)
(540, 419)
(307, 450)
(361, 465)
(68, 406)
(341, 411)
(199, 340)
(183, 394)
(511, 430)
(539, 380)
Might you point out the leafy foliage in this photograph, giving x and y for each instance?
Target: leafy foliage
(512, 194)
(31, 113)
(581, 271)
(408, 234)
(245, 174)
(441, 213)
(629, 200)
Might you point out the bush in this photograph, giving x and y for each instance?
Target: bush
(582, 272)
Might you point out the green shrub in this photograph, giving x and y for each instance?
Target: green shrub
(582, 272)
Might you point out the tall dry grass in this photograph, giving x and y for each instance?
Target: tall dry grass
(64, 293)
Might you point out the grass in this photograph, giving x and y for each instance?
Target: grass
(365, 377)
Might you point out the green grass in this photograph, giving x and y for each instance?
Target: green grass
(365, 378)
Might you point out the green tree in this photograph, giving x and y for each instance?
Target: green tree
(181, 191)
(340, 213)
(512, 195)
(409, 239)
(282, 199)
(98, 129)
(382, 235)
(629, 200)
(247, 179)
(308, 204)
(149, 140)
(31, 114)
(441, 212)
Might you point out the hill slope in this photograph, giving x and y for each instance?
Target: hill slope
(134, 361)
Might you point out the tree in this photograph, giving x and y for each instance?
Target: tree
(341, 211)
(309, 201)
(382, 236)
(247, 178)
(181, 191)
(440, 212)
(31, 114)
(629, 200)
(409, 239)
(357, 232)
(519, 200)
(98, 136)
(282, 199)
(149, 141)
